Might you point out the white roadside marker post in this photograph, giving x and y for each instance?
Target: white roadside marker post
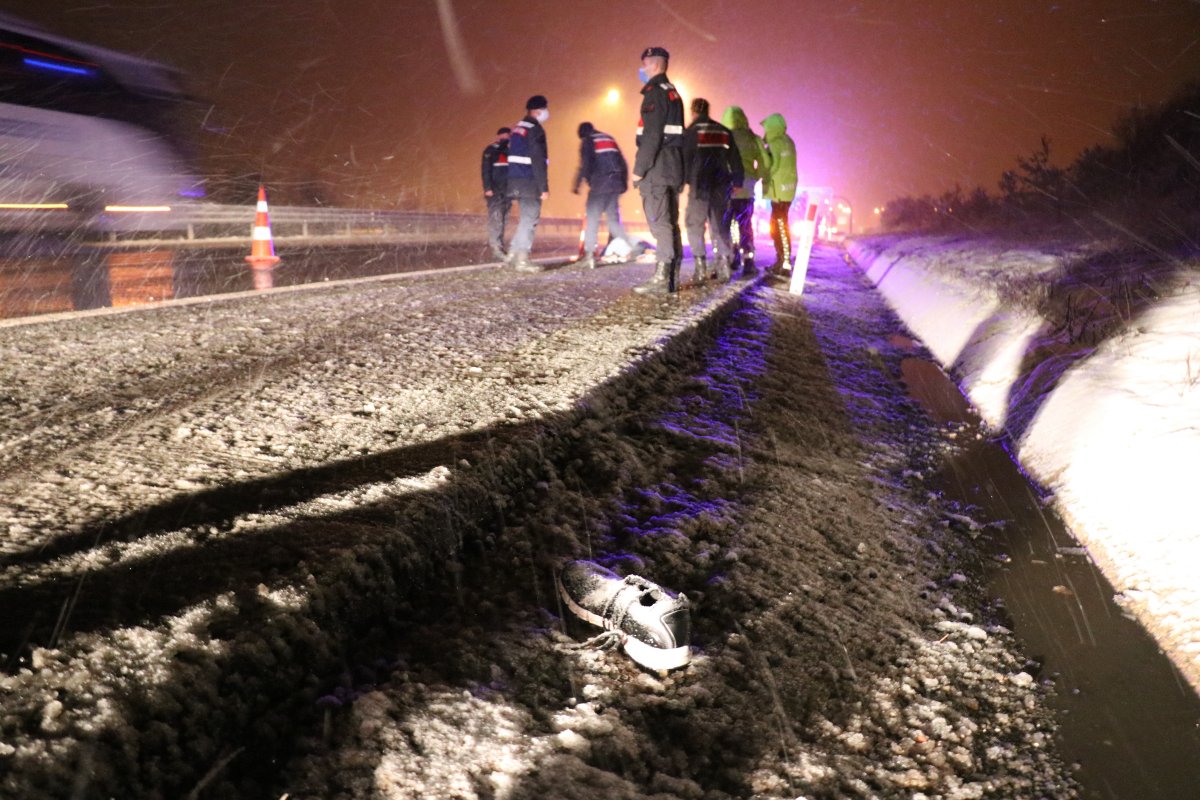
(808, 233)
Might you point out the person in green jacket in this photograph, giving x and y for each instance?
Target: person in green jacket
(779, 186)
(739, 215)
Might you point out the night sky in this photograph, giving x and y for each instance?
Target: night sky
(884, 98)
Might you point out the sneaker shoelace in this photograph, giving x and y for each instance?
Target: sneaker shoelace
(616, 613)
(618, 608)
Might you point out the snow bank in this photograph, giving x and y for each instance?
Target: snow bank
(1113, 430)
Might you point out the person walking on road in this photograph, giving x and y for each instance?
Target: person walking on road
(658, 167)
(740, 215)
(495, 190)
(528, 181)
(603, 166)
(712, 166)
(779, 186)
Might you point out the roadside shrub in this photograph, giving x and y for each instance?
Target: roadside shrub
(1143, 185)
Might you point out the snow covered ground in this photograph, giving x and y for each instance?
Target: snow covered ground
(1093, 366)
(303, 542)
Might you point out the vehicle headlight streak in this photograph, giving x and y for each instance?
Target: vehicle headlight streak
(137, 209)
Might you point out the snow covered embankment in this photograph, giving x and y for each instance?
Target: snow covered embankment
(1107, 423)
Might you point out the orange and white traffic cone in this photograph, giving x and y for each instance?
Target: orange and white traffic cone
(262, 256)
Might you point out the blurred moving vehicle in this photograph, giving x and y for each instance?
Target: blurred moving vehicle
(836, 220)
(89, 138)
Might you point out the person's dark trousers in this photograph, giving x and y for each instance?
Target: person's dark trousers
(710, 207)
(608, 205)
(498, 207)
(661, 205)
(780, 232)
(529, 211)
(739, 217)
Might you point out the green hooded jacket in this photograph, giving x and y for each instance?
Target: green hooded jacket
(754, 156)
(780, 182)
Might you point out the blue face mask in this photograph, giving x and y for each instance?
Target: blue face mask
(642, 76)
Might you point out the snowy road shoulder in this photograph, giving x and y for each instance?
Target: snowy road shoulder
(1108, 424)
(207, 516)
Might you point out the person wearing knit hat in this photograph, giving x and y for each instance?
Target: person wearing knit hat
(528, 180)
(603, 166)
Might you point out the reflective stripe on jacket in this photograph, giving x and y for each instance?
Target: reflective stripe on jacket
(601, 164)
(660, 134)
(495, 167)
(527, 160)
(711, 160)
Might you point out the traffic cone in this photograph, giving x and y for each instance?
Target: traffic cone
(262, 256)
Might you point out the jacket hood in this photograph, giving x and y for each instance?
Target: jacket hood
(774, 125)
(734, 118)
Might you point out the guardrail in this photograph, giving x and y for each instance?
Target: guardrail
(212, 224)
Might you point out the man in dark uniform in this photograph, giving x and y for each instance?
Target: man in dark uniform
(658, 168)
(528, 183)
(712, 167)
(603, 166)
(495, 189)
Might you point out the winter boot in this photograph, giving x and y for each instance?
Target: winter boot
(783, 248)
(587, 262)
(521, 263)
(659, 284)
(649, 623)
(700, 272)
(723, 273)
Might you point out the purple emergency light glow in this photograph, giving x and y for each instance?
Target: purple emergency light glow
(53, 66)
